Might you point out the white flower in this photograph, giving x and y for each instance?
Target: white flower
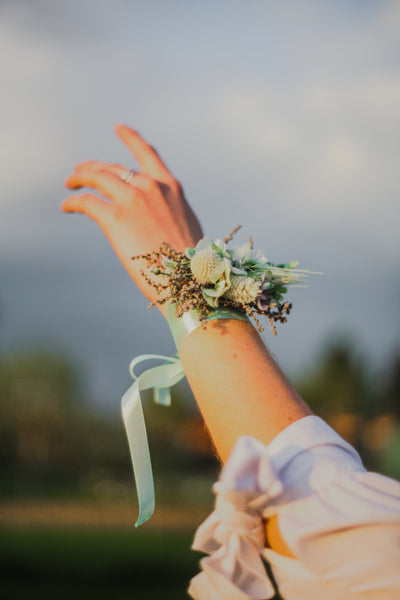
(247, 261)
(243, 290)
(207, 266)
(208, 261)
(249, 255)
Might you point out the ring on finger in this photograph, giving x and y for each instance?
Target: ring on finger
(129, 175)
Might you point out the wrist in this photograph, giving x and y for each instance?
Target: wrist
(181, 327)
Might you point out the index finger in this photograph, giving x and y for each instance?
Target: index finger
(148, 159)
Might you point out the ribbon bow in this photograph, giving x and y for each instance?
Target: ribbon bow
(159, 378)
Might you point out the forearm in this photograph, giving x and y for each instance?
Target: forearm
(239, 388)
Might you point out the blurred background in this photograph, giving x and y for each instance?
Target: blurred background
(282, 117)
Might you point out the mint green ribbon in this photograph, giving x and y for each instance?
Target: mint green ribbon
(189, 321)
(161, 379)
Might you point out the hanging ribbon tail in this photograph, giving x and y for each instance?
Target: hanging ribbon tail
(133, 418)
(160, 379)
(162, 396)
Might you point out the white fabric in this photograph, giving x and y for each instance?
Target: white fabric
(341, 522)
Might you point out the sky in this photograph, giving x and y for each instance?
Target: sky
(282, 117)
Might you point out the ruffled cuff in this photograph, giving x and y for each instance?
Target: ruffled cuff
(258, 481)
(233, 535)
(331, 513)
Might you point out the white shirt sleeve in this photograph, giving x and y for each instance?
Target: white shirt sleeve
(341, 522)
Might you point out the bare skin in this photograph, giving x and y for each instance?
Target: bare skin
(244, 393)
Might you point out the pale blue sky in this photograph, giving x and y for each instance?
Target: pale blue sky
(283, 117)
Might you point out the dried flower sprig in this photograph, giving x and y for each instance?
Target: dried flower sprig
(211, 275)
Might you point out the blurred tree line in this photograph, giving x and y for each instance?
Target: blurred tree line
(53, 442)
(360, 404)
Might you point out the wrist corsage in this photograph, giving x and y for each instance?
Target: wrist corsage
(210, 281)
(212, 276)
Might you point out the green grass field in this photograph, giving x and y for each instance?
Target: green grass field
(57, 564)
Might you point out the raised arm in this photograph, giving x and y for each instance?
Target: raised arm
(237, 385)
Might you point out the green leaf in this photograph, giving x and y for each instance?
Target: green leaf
(190, 252)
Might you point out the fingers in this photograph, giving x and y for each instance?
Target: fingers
(139, 182)
(148, 159)
(105, 182)
(94, 207)
(118, 170)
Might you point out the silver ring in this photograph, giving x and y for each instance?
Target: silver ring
(129, 175)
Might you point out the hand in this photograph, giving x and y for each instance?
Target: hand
(141, 214)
